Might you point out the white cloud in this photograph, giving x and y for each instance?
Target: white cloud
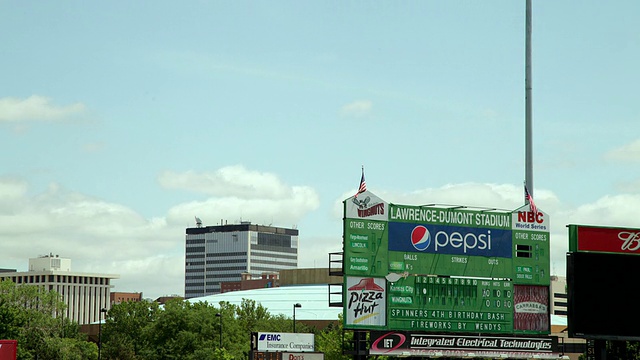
(489, 113)
(96, 235)
(313, 251)
(626, 153)
(629, 186)
(239, 194)
(94, 147)
(357, 108)
(10, 189)
(230, 181)
(148, 254)
(35, 108)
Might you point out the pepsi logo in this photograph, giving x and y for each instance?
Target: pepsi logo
(420, 238)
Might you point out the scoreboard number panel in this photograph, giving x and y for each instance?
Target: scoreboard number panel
(452, 304)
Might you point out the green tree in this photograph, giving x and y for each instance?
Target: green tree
(124, 333)
(182, 329)
(252, 316)
(68, 349)
(333, 340)
(622, 350)
(33, 316)
(192, 331)
(236, 322)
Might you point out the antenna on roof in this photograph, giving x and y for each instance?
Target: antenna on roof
(198, 222)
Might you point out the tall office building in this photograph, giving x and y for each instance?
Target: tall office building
(222, 253)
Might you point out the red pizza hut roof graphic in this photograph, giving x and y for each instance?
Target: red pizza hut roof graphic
(366, 284)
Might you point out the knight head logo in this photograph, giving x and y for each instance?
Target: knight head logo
(420, 238)
(362, 203)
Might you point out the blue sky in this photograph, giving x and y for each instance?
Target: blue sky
(120, 121)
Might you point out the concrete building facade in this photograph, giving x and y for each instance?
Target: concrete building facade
(83, 293)
(218, 254)
(559, 295)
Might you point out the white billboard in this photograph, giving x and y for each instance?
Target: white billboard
(368, 206)
(366, 301)
(271, 341)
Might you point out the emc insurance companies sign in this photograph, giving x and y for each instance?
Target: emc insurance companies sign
(292, 342)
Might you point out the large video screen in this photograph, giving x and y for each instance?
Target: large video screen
(603, 296)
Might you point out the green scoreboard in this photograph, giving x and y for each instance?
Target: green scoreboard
(445, 268)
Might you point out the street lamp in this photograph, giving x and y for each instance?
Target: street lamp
(103, 310)
(220, 316)
(296, 305)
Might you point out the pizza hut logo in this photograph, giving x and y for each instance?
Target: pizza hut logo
(366, 210)
(364, 299)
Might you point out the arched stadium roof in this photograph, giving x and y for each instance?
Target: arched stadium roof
(280, 300)
(313, 298)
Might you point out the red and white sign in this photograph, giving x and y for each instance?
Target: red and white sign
(366, 304)
(302, 356)
(531, 308)
(8, 349)
(366, 206)
(524, 219)
(615, 240)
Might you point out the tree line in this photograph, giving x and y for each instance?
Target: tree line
(194, 331)
(146, 330)
(176, 330)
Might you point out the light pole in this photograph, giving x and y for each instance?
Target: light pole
(220, 316)
(296, 305)
(103, 310)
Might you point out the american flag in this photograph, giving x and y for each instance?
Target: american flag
(528, 198)
(363, 184)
